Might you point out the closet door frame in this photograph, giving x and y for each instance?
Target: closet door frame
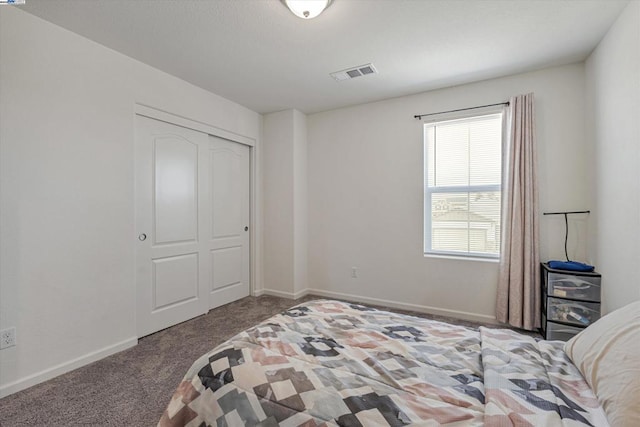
(255, 232)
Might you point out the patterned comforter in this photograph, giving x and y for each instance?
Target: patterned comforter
(334, 363)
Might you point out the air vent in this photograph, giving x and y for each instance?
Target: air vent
(355, 72)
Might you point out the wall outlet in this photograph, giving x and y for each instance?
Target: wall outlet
(354, 272)
(7, 338)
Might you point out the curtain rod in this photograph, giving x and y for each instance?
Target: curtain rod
(566, 213)
(420, 116)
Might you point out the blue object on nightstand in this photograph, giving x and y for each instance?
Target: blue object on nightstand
(571, 266)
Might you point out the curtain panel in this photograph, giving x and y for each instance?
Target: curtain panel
(518, 299)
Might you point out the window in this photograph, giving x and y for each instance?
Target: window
(462, 189)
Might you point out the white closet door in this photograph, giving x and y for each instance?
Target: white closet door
(172, 262)
(229, 238)
(192, 219)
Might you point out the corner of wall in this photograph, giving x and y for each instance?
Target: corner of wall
(300, 207)
(613, 108)
(285, 196)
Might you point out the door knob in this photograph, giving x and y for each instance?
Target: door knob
(246, 228)
(142, 237)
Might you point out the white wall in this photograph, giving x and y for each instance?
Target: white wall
(66, 191)
(613, 88)
(300, 206)
(285, 205)
(278, 202)
(366, 194)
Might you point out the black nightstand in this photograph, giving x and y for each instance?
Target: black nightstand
(570, 301)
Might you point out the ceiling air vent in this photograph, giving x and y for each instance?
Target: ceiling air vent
(352, 73)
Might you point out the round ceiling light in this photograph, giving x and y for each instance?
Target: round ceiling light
(307, 9)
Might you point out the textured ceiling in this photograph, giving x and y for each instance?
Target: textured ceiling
(258, 54)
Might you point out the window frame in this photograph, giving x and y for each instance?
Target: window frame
(429, 191)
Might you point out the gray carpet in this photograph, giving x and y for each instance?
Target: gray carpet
(133, 387)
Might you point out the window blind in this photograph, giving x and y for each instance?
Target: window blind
(463, 174)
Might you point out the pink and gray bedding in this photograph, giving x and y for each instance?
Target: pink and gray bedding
(334, 363)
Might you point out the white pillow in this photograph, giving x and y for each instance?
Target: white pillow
(607, 353)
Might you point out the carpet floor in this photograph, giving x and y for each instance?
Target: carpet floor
(133, 387)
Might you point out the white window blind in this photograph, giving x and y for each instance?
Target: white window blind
(463, 174)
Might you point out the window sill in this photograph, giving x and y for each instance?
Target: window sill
(462, 258)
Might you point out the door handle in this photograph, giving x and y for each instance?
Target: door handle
(142, 237)
(246, 228)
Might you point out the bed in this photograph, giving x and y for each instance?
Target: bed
(334, 363)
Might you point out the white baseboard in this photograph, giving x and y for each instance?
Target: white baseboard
(65, 367)
(475, 317)
(282, 294)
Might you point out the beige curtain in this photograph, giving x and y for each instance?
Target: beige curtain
(518, 300)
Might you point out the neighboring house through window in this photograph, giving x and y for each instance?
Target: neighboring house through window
(462, 188)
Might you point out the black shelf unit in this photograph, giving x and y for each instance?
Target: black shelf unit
(570, 301)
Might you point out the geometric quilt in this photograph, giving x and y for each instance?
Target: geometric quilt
(334, 363)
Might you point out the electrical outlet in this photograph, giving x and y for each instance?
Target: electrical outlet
(354, 272)
(7, 338)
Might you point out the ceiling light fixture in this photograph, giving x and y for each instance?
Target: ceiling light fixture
(307, 9)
